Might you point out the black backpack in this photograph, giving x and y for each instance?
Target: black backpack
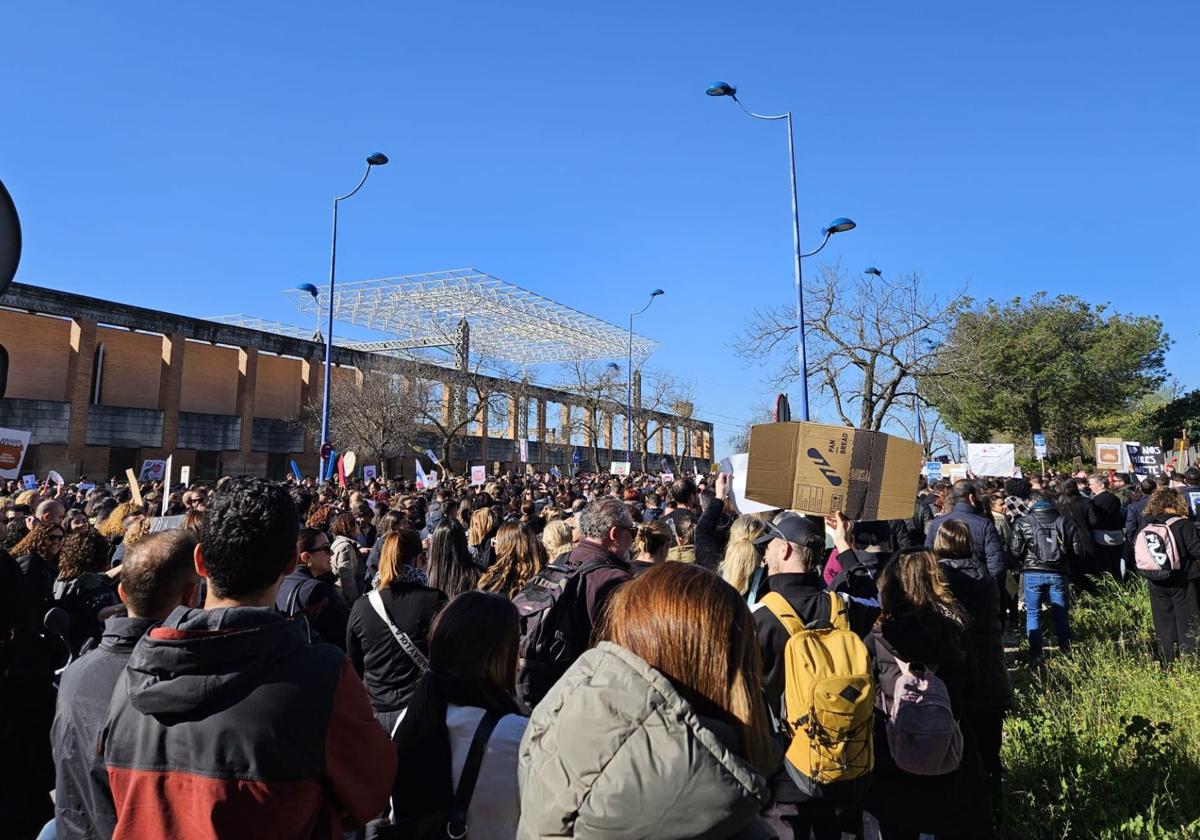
(553, 626)
(1049, 543)
(859, 573)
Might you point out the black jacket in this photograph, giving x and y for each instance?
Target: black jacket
(37, 592)
(983, 535)
(710, 547)
(318, 600)
(956, 803)
(1187, 538)
(806, 594)
(83, 805)
(1104, 514)
(387, 670)
(976, 590)
(1023, 542)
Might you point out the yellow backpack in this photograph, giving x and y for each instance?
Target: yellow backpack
(828, 700)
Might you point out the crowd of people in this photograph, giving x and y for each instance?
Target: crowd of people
(544, 657)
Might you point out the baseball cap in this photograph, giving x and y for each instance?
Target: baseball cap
(791, 527)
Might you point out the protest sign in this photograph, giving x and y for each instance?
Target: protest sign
(296, 470)
(666, 477)
(619, 468)
(29, 482)
(185, 476)
(478, 475)
(86, 486)
(933, 471)
(369, 472)
(991, 459)
(152, 471)
(1146, 461)
(166, 493)
(341, 468)
(736, 467)
(1039, 445)
(133, 486)
(954, 472)
(524, 451)
(349, 461)
(55, 476)
(13, 443)
(1111, 454)
(431, 480)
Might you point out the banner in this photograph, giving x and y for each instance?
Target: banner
(478, 475)
(369, 472)
(991, 459)
(524, 444)
(620, 468)
(13, 443)
(152, 471)
(1147, 461)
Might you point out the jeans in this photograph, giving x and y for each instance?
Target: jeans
(1041, 586)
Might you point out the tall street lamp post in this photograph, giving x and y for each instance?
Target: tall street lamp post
(836, 226)
(629, 384)
(377, 159)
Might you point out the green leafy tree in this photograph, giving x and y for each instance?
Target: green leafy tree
(1058, 365)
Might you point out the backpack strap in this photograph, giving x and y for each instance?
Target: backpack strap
(783, 611)
(839, 613)
(293, 596)
(456, 820)
(399, 635)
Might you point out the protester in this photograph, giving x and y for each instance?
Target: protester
(83, 589)
(470, 684)
(988, 684)
(683, 531)
(557, 537)
(308, 591)
(518, 554)
(37, 558)
(448, 561)
(193, 740)
(743, 566)
(983, 533)
(157, 576)
(484, 525)
(618, 748)
(1175, 595)
(347, 564)
(651, 545)
(1108, 527)
(390, 661)
(922, 635)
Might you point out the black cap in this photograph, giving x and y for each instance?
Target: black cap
(790, 527)
(1192, 476)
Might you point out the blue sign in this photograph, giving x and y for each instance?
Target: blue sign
(1039, 445)
(933, 470)
(575, 457)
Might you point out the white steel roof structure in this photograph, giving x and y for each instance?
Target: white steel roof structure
(507, 322)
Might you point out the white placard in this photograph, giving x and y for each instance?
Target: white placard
(185, 476)
(369, 472)
(737, 466)
(620, 468)
(152, 470)
(478, 475)
(992, 459)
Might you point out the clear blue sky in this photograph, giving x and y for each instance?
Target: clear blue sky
(182, 156)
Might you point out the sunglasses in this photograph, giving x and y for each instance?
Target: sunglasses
(324, 549)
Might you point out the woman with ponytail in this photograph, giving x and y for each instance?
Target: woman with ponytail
(743, 566)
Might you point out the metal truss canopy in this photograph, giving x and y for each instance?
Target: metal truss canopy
(508, 323)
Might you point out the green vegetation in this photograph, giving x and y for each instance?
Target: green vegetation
(1104, 743)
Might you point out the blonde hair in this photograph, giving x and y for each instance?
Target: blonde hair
(114, 526)
(519, 556)
(399, 548)
(25, 497)
(483, 522)
(741, 557)
(556, 536)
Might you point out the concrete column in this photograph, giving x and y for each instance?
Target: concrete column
(564, 425)
(591, 427)
(82, 349)
(514, 419)
(541, 429)
(608, 431)
(658, 440)
(170, 388)
(247, 384)
(447, 404)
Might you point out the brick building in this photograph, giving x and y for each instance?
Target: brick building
(103, 386)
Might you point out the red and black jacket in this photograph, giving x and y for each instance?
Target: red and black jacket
(227, 723)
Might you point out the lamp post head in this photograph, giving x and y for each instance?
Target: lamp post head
(721, 89)
(657, 292)
(839, 225)
(377, 159)
(873, 270)
(310, 288)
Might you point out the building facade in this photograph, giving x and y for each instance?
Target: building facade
(103, 386)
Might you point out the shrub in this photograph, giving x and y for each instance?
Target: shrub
(1104, 743)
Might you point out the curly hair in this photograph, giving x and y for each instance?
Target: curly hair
(114, 525)
(82, 552)
(37, 541)
(1166, 502)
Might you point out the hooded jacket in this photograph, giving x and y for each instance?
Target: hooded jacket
(228, 723)
(986, 540)
(82, 804)
(975, 589)
(614, 751)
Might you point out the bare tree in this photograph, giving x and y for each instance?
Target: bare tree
(664, 396)
(598, 387)
(868, 339)
(377, 419)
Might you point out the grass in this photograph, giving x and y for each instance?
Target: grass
(1104, 743)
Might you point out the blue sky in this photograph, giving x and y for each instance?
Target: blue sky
(182, 156)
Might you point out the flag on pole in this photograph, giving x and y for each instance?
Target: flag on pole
(554, 471)
(422, 479)
(432, 457)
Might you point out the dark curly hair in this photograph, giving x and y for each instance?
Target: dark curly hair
(248, 537)
(82, 552)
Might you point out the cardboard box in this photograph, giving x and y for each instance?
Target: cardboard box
(818, 469)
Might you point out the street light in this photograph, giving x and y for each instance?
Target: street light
(629, 384)
(312, 290)
(377, 159)
(839, 225)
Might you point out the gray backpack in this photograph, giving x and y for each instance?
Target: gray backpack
(923, 736)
